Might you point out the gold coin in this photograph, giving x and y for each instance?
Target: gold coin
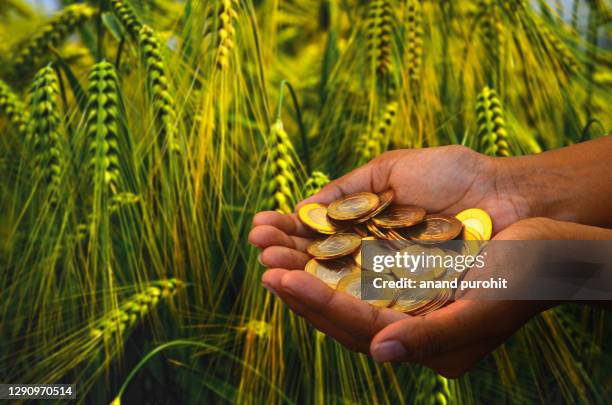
(392, 235)
(434, 229)
(400, 216)
(351, 284)
(314, 216)
(375, 231)
(357, 253)
(335, 246)
(352, 207)
(386, 198)
(477, 221)
(470, 234)
(331, 271)
(410, 300)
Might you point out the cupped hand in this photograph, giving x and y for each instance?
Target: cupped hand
(450, 340)
(441, 180)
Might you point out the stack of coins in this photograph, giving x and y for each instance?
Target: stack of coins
(359, 217)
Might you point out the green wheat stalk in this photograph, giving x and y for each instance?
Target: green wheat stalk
(135, 308)
(49, 145)
(315, 183)
(492, 131)
(13, 108)
(281, 173)
(379, 31)
(103, 126)
(414, 39)
(226, 32)
(158, 88)
(372, 143)
(127, 16)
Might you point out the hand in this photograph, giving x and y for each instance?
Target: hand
(447, 179)
(450, 340)
(441, 180)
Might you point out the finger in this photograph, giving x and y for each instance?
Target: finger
(354, 316)
(372, 177)
(456, 325)
(283, 257)
(264, 236)
(271, 281)
(288, 223)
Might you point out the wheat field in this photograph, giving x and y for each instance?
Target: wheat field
(138, 138)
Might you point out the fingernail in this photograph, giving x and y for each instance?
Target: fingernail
(270, 289)
(391, 350)
(259, 259)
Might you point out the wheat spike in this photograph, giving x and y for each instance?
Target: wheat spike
(441, 390)
(158, 87)
(14, 109)
(103, 125)
(434, 389)
(414, 39)
(281, 172)
(50, 35)
(315, 183)
(551, 41)
(492, 131)
(126, 15)
(379, 25)
(45, 129)
(371, 144)
(492, 30)
(226, 32)
(564, 55)
(136, 308)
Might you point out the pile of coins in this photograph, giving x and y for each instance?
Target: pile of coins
(359, 217)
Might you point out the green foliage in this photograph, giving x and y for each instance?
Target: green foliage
(155, 171)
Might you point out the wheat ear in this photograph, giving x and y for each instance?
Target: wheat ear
(371, 144)
(492, 131)
(103, 125)
(226, 32)
(13, 108)
(315, 183)
(135, 308)
(158, 87)
(379, 26)
(282, 186)
(51, 34)
(45, 129)
(127, 16)
(414, 38)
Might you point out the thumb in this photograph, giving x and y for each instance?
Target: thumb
(372, 177)
(463, 322)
